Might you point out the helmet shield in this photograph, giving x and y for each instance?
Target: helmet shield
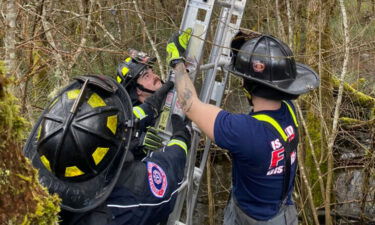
(81, 141)
(270, 62)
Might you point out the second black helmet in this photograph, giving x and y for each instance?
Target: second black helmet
(268, 61)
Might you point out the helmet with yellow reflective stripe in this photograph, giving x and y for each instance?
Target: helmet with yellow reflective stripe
(132, 67)
(81, 141)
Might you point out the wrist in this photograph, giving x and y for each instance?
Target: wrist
(182, 136)
(174, 62)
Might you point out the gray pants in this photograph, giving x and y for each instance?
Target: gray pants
(233, 215)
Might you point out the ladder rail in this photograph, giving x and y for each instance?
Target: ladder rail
(219, 56)
(197, 15)
(224, 34)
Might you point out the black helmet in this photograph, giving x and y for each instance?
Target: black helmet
(129, 70)
(269, 62)
(81, 141)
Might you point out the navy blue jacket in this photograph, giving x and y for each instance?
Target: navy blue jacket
(147, 191)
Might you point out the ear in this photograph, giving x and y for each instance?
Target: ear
(141, 96)
(139, 92)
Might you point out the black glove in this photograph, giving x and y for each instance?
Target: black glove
(180, 129)
(157, 98)
(151, 140)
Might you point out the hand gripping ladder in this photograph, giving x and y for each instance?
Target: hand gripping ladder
(197, 15)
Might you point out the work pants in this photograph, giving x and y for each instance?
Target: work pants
(233, 215)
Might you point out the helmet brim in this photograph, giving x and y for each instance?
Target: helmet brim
(306, 80)
(84, 195)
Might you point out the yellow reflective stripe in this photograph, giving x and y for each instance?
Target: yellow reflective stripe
(128, 59)
(73, 171)
(118, 78)
(179, 143)
(138, 112)
(292, 113)
(96, 101)
(112, 123)
(99, 154)
(73, 94)
(124, 71)
(45, 162)
(39, 132)
(274, 123)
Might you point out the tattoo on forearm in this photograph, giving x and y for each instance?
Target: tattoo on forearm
(186, 95)
(185, 88)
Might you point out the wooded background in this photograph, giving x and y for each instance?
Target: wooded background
(44, 43)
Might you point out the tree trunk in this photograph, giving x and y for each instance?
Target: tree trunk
(10, 44)
(10, 38)
(22, 199)
(317, 45)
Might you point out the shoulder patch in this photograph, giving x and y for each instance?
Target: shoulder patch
(157, 179)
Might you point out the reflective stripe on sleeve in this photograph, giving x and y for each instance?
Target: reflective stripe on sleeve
(179, 143)
(138, 112)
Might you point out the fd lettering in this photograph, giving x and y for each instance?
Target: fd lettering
(277, 156)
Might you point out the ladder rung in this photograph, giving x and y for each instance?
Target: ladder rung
(237, 5)
(212, 65)
(196, 176)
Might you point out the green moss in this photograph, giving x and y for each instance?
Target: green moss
(4, 177)
(46, 211)
(12, 125)
(22, 199)
(314, 129)
(348, 121)
(357, 96)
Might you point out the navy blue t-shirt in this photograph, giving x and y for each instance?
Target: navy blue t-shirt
(257, 152)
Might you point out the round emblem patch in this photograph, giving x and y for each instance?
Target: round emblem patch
(258, 66)
(157, 179)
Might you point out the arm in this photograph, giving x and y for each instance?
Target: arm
(202, 114)
(145, 115)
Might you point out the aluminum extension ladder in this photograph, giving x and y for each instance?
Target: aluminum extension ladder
(198, 15)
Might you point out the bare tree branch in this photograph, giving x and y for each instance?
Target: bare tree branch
(301, 167)
(332, 137)
(280, 24)
(85, 28)
(161, 68)
(290, 24)
(59, 72)
(317, 164)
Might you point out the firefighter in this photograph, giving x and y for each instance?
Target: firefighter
(136, 75)
(262, 143)
(80, 145)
